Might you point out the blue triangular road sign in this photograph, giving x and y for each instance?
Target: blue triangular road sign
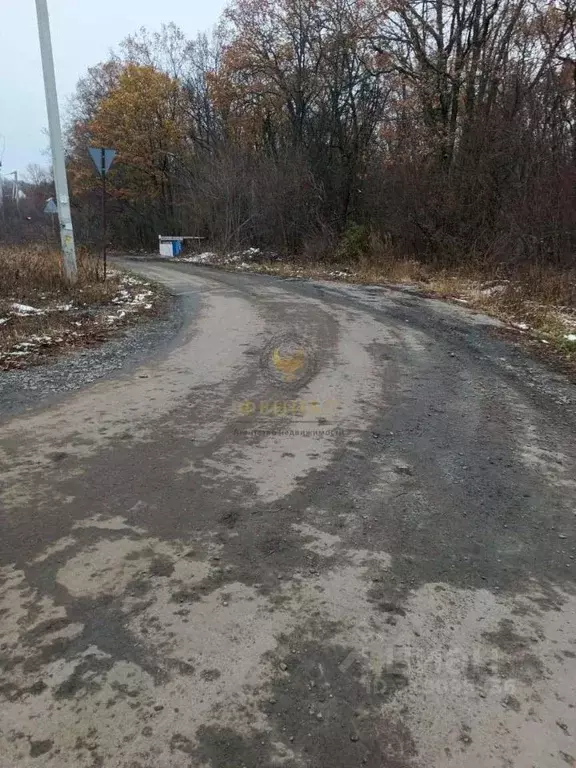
(102, 163)
(51, 206)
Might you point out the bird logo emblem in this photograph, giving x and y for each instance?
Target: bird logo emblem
(288, 365)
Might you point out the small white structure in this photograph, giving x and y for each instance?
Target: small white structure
(172, 246)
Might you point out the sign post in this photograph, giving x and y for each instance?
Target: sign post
(103, 159)
(51, 209)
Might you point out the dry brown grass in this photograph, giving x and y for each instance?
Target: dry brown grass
(541, 298)
(69, 316)
(36, 272)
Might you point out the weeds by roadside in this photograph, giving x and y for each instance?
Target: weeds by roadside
(538, 302)
(42, 315)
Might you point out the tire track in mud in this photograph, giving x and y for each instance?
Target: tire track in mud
(183, 593)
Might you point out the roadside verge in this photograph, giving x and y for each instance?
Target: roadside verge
(42, 317)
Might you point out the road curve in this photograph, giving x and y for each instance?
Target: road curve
(330, 526)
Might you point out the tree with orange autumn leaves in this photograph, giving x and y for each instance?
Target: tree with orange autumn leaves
(423, 120)
(142, 117)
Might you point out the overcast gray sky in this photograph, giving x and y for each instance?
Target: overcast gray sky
(83, 31)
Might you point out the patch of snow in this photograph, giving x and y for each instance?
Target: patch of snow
(140, 298)
(544, 341)
(494, 290)
(4, 320)
(123, 295)
(25, 309)
(241, 257)
(460, 301)
(129, 300)
(200, 258)
(112, 318)
(521, 326)
(209, 257)
(570, 337)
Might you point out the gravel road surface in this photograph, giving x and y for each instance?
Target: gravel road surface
(328, 526)
(23, 389)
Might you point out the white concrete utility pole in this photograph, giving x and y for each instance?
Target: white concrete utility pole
(62, 197)
(2, 195)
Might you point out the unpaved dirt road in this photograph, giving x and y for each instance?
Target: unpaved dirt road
(329, 527)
